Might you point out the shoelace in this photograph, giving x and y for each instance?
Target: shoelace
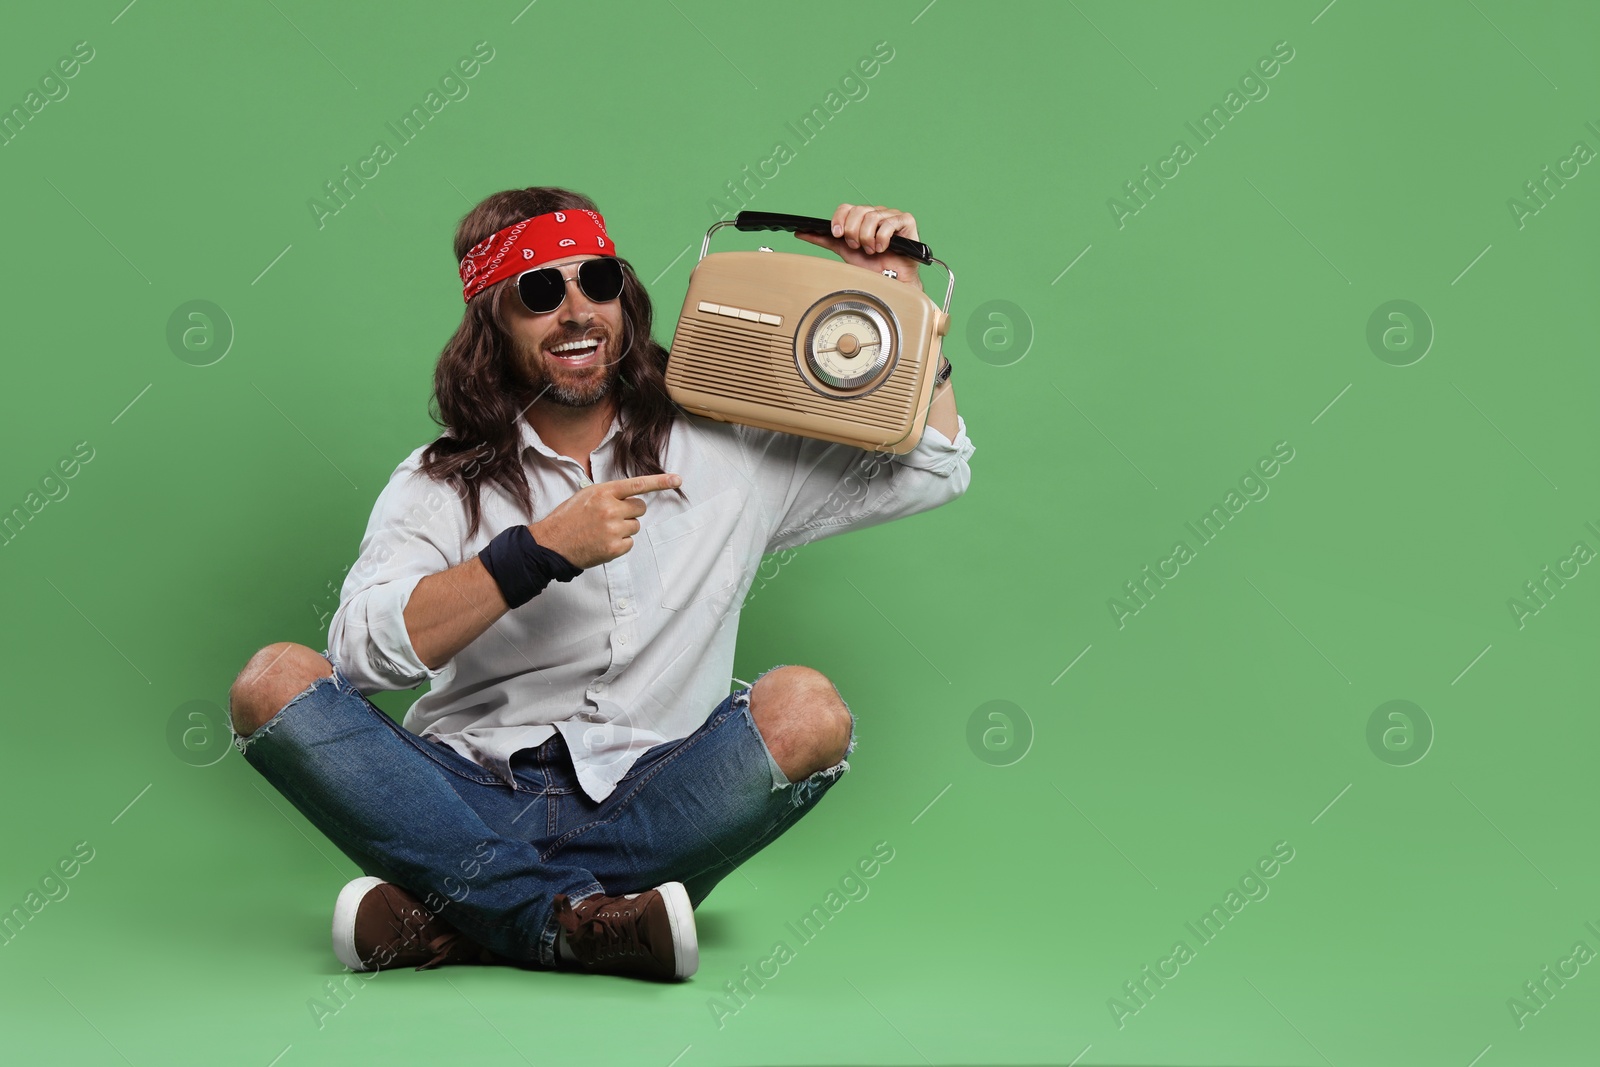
(410, 923)
(614, 932)
(442, 948)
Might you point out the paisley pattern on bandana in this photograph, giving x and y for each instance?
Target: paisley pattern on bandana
(531, 242)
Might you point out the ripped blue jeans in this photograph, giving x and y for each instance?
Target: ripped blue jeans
(489, 859)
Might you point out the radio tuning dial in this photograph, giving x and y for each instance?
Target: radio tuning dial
(848, 344)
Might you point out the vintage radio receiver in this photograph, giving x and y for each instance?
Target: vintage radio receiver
(806, 345)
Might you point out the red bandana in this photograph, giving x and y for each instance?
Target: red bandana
(531, 242)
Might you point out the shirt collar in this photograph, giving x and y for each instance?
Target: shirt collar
(531, 438)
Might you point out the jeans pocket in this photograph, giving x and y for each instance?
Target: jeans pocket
(649, 758)
(442, 754)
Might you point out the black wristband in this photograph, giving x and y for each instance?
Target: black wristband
(522, 567)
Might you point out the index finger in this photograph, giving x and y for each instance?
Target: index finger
(649, 483)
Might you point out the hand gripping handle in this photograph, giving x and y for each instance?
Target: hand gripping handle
(772, 220)
(746, 221)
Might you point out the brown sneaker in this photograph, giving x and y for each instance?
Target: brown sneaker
(642, 935)
(379, 926)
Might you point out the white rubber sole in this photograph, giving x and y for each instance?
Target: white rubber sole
(685, 942)
(344, 920)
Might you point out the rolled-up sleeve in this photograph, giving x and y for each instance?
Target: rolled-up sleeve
(416, 529)
(834, 488)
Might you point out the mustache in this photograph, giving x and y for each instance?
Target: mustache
(593, 332)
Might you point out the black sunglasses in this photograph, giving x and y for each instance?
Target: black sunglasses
(545, 289)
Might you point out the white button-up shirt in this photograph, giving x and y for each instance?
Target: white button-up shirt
(632, 652)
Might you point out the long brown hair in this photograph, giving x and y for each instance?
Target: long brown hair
(479, 394)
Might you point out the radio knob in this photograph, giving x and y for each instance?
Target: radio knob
(848, 345)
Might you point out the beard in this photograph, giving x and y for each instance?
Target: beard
(580, 388)
(580, 394)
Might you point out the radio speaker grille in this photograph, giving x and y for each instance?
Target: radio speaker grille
(750, 363)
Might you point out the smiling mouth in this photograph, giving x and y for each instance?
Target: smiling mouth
(577, 353)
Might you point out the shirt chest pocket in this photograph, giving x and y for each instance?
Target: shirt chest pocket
(695, 552)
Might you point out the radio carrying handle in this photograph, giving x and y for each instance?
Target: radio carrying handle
(748, 221)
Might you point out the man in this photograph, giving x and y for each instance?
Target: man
(565, 566)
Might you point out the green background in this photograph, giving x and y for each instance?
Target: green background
(223, 506)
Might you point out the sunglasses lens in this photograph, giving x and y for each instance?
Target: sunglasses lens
(601, 278)
(542, 290)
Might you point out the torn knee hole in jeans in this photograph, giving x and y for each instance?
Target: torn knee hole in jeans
(741, 699)
(242, 742)
(844, 762)
(838, 768)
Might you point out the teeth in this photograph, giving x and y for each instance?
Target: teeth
(575, 346)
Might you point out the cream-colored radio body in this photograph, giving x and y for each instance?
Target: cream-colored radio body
(806, 345)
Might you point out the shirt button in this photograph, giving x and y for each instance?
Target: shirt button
(599, 687)
(622, 605)
(622, 639)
